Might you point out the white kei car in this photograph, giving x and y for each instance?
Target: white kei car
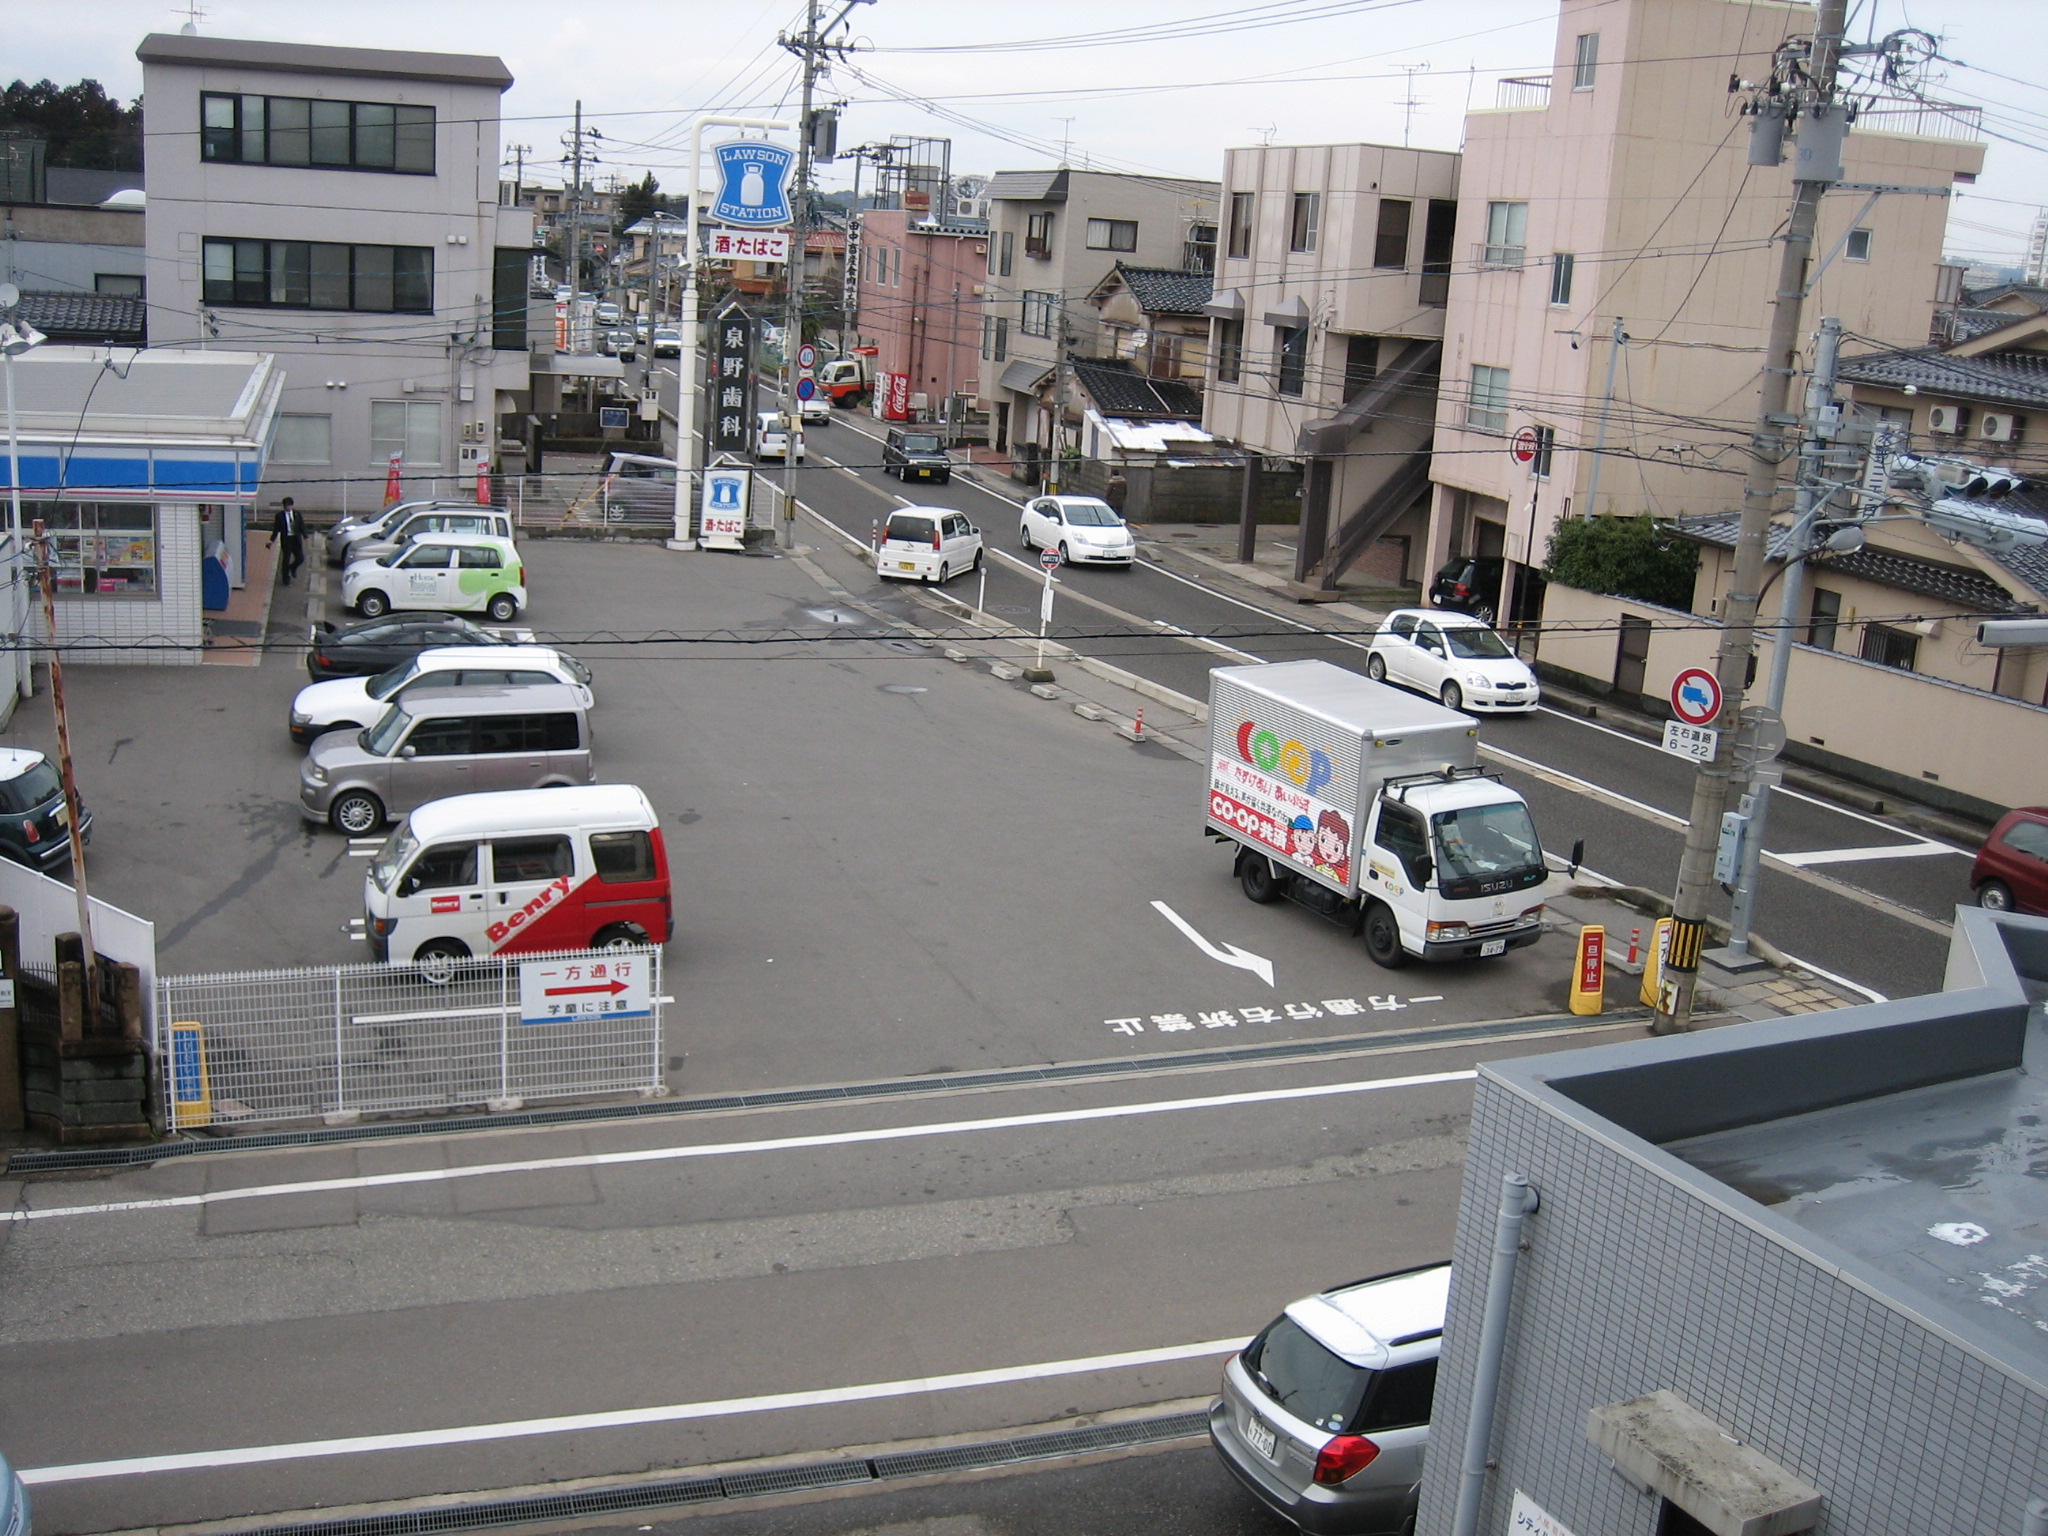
(928, 544)
(773, 439)
(1084, 530)
(356, 703)
(1453, 657)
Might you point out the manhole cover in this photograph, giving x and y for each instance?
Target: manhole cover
(901, 688)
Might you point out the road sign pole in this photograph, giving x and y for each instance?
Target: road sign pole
(1048, 561)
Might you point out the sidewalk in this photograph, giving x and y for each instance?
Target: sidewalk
(234, 637)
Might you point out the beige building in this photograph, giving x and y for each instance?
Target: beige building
(1616, 190)
(1328, 321)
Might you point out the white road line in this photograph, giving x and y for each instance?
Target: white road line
(1855, 855)
(1841, 981)
(731, 1148)
(623, 1418)
(1598, 791)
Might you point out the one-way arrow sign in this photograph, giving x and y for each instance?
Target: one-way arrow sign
(1229, 954)
(602, 986)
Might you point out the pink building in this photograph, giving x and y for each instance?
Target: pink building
(919, 305)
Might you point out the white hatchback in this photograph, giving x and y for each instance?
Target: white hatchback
(1453, 657)
(1084, 530)
(774, 440)
(357, 703)
(927, 544)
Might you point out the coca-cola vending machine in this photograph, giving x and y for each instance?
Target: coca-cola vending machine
(896, 392)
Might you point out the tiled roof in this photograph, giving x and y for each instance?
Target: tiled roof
(1028, 186)
(1969, 324)
(1964, 586)
(1164, 291)
(2006, 378)
(86, 317)
(2037, 296)
(1117, 389)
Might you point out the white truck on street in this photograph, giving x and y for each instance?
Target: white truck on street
(1367, 805)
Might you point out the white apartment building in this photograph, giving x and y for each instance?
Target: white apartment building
(339, 207)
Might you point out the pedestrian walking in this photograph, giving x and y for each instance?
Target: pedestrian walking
(291, 528)
(1115, 491)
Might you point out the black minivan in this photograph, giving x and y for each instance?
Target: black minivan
(32, 821)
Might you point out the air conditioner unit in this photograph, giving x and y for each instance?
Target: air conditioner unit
(1999, 426)
(1949, 419)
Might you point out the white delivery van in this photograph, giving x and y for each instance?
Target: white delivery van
(1367, 805)
(524, 871)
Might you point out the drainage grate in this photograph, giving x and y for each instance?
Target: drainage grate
(1235, 1055)
(749, 1485)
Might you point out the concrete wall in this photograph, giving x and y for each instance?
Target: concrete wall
(66, 248)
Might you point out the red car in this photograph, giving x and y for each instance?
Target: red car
(2011, 872)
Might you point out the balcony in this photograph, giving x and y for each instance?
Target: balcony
(1521, 94)
(1923, 120)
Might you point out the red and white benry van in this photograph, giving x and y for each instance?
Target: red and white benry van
(524, 871)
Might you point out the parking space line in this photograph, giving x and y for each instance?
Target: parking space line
(625, 1418)
(1856, 855)
(734, 1148)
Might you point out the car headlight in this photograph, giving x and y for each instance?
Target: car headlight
(1448, 932)
(299, 720)
(1478, 680)
(315, 774)
(1533, 915)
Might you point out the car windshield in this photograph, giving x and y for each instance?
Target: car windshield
(1486, 840)
(26, 791)
(396, 853)
(920, 442)
(1304, 1377)
(1476, 644)
(917, 530)
(1092, 514)
(384, 684)
(382, 738)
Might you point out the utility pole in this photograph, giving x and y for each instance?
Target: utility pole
(48, 581)
(1055, 479)
(807, 48)
(1620, 340)
(519, 154)
(1809, 94)
(575, 221)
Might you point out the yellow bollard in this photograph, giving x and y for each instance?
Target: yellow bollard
(191, 1092)
(1653, 961)
(1589, 971)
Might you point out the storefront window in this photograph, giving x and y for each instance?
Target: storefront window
(99, 548)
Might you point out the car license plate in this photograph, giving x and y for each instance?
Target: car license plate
(906, 565)
(1261, 1436)
(63, 816)
(1494, 947)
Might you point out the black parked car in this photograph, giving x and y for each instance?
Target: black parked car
(32, 820)
(1470, 584)
(377, 645)
(911, 455)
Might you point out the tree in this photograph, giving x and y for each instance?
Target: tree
(83, 126)
(1623, 557)
(639, 200)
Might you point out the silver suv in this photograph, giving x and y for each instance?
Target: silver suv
(1324, 1416)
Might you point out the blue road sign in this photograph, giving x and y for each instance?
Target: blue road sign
(807, 389)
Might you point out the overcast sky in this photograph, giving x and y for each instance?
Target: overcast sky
(1331, 70)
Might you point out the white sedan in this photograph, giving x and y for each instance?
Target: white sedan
(1086, 531)
(354, 703)
(1454, 657)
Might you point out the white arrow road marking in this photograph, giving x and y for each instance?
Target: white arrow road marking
(1229, 954)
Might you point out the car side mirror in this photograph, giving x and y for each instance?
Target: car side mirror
(1578, 857)
(1424, 872)
(408, 750)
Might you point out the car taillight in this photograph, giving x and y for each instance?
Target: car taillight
(518, 575)
(936, 545)
(1459, 589)
(1344, 1457)
(29, 828)
(319, 659)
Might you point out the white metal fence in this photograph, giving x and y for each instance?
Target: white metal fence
(326, 1041)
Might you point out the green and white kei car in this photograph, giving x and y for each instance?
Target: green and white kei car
(449, 572)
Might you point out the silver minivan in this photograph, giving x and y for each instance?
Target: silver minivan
(1325, 1415)
(454, 742)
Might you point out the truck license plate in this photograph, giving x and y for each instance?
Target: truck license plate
(1263, 1436)
(1494, 947)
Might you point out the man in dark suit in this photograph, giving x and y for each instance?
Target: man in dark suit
(291, 528)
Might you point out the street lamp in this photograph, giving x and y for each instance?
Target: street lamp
(16, 337)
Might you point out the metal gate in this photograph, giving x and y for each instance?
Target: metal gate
(347, 1040)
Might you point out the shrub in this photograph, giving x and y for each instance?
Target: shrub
(1623, 557)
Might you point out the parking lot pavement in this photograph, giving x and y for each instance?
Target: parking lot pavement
(886, 862)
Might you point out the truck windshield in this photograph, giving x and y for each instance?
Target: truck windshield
(1476, 644)
(396, 853)
(1484, 840)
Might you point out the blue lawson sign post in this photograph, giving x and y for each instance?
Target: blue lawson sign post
(753, 184)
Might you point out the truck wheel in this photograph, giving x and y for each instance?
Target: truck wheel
(1383, 937)
(1255, 875)
(619, 936)
(439, 959)
(1376, 667)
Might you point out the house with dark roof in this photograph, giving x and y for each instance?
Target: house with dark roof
(1157, 319)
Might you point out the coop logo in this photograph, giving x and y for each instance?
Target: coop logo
(1304, 767)
(555, 891)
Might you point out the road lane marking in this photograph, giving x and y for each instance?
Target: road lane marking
(623, 1418)
(733, 1148)
(1229, 954)
(1587, 786)
(1855, 855)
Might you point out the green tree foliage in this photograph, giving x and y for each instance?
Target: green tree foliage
(84, 127)
(639, 200)
(1623, 557)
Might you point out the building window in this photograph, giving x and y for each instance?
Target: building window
(508, 299)
(1241, 206)
(1507, 232)
(1858, 246)
(1826, 613)
(99, 548)
(1305, 221)
(1290, 347)
(1361, 365)
(1890, 647)
(1585, 60)
(1390, 242)
(317, 133)
(1038, 236)
(410, 428)
(1438, 232)
(1039, 308)
(1229, 350)
(995, 338)
(127, 285)
(1487, 409)
(302, 440)
(1561, 266)
(1112, 234)
(1003, 253)
(1546, 446)
(303, 274)
(1198, 251)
